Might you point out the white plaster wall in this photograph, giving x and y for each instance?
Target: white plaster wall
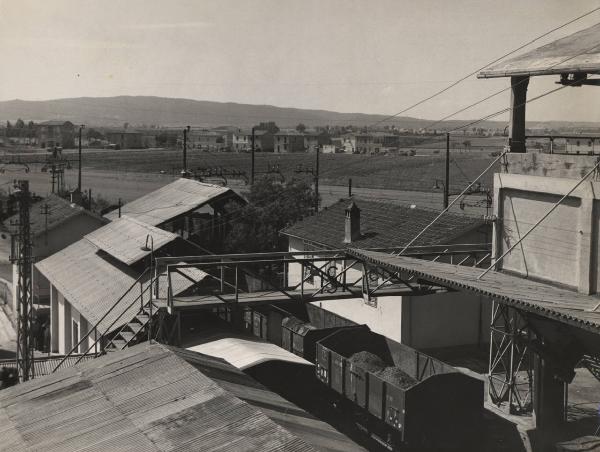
(445, 320)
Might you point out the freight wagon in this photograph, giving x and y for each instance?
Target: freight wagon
(301, 337)
(399, 395)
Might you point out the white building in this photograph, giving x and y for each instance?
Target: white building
(55, 224)
(421, 321)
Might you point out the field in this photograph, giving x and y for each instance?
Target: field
(128, 174)
(418, 172)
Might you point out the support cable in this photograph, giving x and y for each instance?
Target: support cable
(595, 167)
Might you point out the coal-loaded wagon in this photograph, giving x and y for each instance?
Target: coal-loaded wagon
(399, 395)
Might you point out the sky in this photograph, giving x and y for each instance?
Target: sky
(368, 56)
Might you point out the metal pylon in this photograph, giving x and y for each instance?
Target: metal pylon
(511, 365)
(22, 255)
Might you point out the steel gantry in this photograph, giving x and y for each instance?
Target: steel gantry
(21, 254)
(511, 361)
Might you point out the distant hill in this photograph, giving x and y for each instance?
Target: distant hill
(162, 111)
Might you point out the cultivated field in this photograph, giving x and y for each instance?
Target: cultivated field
(128, 174)
(418, 172)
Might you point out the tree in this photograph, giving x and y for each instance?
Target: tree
(269, 126)
(271, 207)
(93, 134)
(20, 124)
(301, 128)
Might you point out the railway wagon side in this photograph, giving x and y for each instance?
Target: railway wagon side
(415, 396)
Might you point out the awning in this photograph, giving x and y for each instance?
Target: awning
(573, 308)
(579, 52)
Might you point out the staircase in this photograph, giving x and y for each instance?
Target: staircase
(133, 332)
(129, 331)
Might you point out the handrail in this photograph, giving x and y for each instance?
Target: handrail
(87, 335)
(322, 252)
(108, 328)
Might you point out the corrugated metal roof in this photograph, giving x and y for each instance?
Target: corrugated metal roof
(579, 52)
(45, 365)
(382, 224)
(170, 201)
(90, 282)
(59, 211)
(299, 422)
(143, 398)
(543, 299)
(124, 237)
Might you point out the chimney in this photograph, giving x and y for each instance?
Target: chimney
(352, 223)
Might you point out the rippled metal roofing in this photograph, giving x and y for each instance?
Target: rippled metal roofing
(548, 301)
(579, 52)
(125, 237)
(145, 398)
(170, 201)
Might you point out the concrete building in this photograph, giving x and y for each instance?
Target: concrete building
(263, 141)
(126, 139)
(206, 140)
(314, 139)
(423, 321)
(56, 133)
(55, 224)
(289, 141)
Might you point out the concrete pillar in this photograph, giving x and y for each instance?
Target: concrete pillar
(518, 98)
(548, 397)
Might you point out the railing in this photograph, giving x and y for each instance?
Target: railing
(227, 269)
(94, 329)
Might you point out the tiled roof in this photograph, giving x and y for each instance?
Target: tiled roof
(144, 398)
(383, 225)
(288, 132)
(170, 201)
(59, 211)
(124, 238)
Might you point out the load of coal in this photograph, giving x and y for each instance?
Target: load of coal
(367, 361)
(396, 377)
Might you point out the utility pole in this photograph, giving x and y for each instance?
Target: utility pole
(252, 167)
(184, 173)
(350, 188)
(120, 204)
(447, 179)
(45, 210)
(317, 182)
(22, 255)
(81, 127)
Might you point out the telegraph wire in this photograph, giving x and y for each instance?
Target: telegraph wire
(465, 77)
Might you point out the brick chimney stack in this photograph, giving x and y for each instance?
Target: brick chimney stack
(352, 223)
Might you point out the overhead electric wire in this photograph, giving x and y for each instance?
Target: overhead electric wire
(465, 77)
